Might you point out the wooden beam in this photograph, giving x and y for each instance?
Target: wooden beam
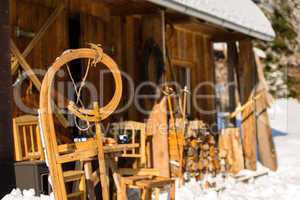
(232, 63)
(249, 137)
(96, 8)
(196, 28)
(37, 38)
(228, 37)
(132, 9)
(247, 70)
(6, 133)
(216, 33)
(25, 65)
(37, 83)
(248, 76)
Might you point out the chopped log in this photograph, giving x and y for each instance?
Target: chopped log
(231, 146)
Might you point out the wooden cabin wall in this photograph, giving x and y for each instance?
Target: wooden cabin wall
(121, 38)
(30, 17)
(196, 51)
(136, 31)
(94, 30)
(130, 60)
(125, 35)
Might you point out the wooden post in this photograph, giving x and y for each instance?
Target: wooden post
(247, 70)
(6, 133)
(232, 65)
(248, 74)
(209, 78)
(101, 160)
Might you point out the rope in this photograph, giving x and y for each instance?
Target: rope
(78, 94)
(68, 56)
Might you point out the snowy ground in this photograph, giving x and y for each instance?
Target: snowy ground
(282, 185)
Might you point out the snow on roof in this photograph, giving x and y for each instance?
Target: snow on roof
(240, 15)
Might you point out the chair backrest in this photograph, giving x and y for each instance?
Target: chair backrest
(27, 139)
(136, 132)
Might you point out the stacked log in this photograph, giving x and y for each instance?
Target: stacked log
(201, 152)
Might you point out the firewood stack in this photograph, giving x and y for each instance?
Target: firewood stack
(201, 153)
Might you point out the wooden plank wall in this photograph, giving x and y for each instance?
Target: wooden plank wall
(54, 42)
(124, 34)
(197, 49)
(119, 36)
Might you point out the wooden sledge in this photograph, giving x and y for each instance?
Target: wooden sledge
(93, 148)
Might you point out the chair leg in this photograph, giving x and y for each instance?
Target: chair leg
(122, 195)
(90, 185)
(146, 194)
(172, 192)
(76, 184)
(82, 187)
(157, 193)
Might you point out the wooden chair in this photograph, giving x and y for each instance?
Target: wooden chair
(27, 140)
(136, 132)
(28, 146)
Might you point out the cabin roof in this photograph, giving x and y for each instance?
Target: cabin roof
(240, 15)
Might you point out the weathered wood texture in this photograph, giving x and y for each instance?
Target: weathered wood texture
(125, 35)
(196, 50)
(151, 28)
(248, 78)
(131, 57)
(157, 126)
(249, 137)
(95, 30)
(45, 51)
(230, 143)
(266, 147)
(232, 63)
(94, 8)
(6, 140)
(247, 71)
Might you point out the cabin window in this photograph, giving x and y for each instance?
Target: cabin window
(182, 76)
(182, 71)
